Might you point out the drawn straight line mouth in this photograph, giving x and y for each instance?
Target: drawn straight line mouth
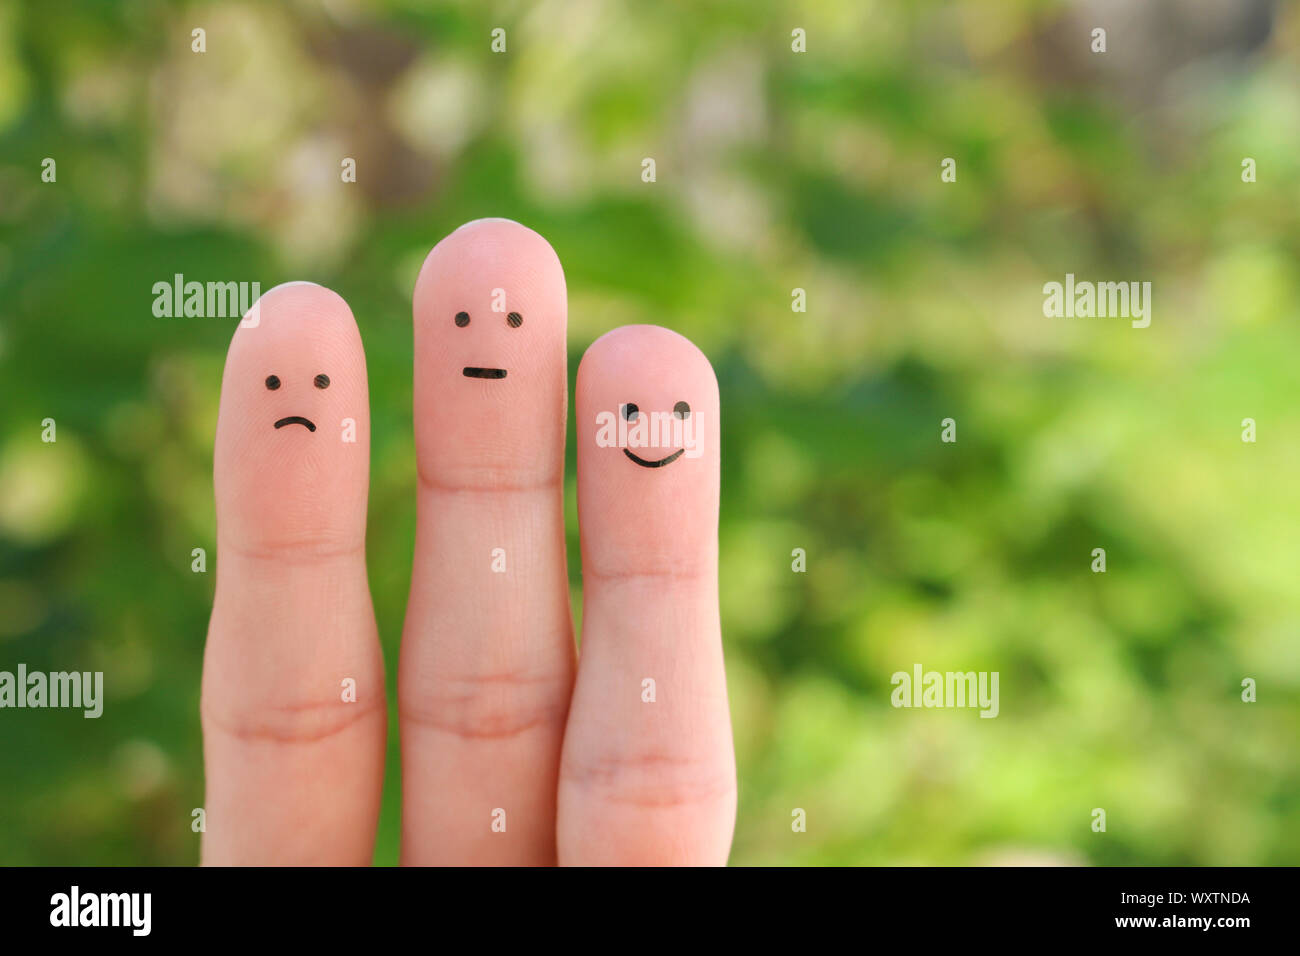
(472, 372)
(655, 464)
(296, 420)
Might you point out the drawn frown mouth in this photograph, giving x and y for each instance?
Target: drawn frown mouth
(296, 420)
(472, 372)
(655, 464)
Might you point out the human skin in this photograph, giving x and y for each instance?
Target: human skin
(507, 759)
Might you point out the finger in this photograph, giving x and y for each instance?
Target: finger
(487, 650)
(648, 775)
(293, 688)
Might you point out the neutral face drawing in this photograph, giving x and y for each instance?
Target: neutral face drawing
(513, 320)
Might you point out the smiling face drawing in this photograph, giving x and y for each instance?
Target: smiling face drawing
(490, 369)
(631, 412)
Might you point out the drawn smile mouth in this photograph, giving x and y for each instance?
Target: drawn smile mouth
(296, 420)
(473, 372)
(655, 464)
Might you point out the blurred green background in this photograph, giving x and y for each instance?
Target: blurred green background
(776, 170)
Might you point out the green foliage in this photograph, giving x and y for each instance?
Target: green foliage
(776, 171)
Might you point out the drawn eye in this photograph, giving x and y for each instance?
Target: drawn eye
(682, 410)
(273, 382)
(462, 319)
(322, 380)
(630, 412)
(515, 320)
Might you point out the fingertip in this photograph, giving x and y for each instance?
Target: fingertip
(490, 315)
(291, 459)
(493, 244)
(648, 352)
(648, 452)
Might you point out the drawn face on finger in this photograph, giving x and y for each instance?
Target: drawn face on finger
(654, 432)
(273, 384)
(513, 320)
(651, 397)
(648, 457)
(490, 367)
(294, 417)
